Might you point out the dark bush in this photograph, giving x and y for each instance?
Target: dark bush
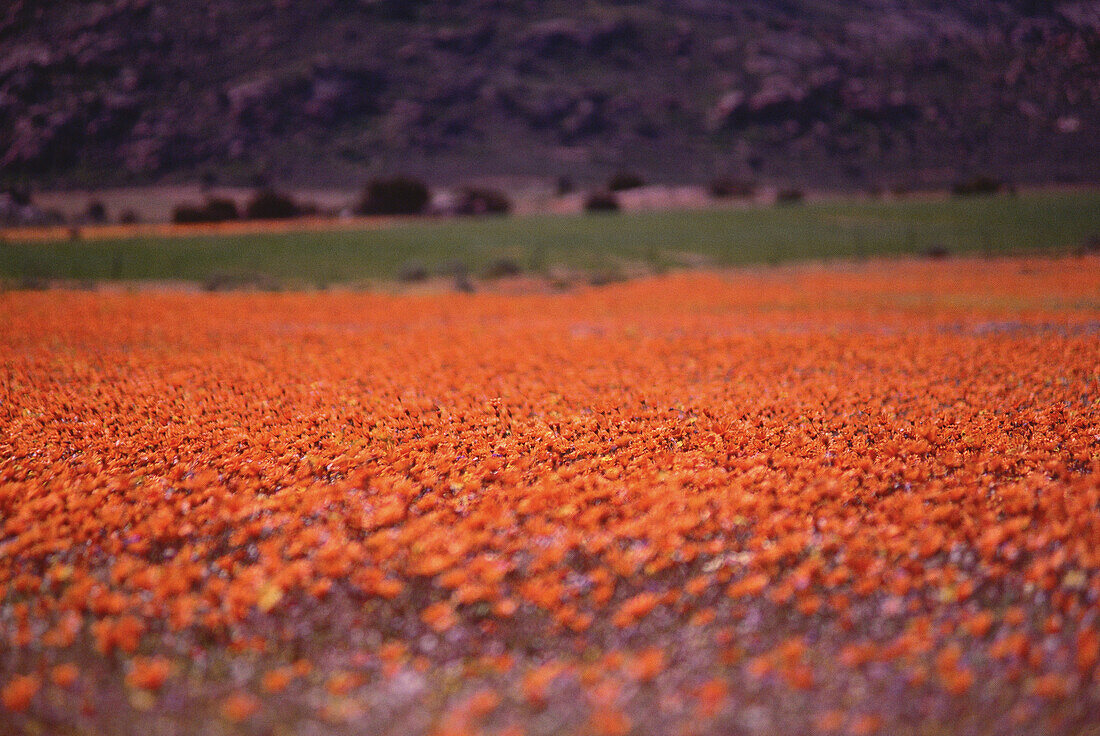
(605, 276)
(601, 202)
(19, 195)
(128, 217)
(221, 210)
(937, 252)
(215, 210)
(268, 204)
(624, 180)
(95, 212)
(975, 185)
(789, 195)
(52, 216)
(503, 267)
(1089, 245)
(394, 196)
(565, 186)
(725, 187)
(186, 214)
(474, 201)
(412, 271)
(32, 283)
(239, 280)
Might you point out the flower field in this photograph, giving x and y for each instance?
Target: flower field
(848, 499)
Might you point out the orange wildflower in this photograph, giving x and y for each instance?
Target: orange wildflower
(239, 707)
(64, 675)
(610, 722)
(574, 475)
(17, 693)
(148, 673)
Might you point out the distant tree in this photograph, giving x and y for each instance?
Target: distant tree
(726, 187)
(19, 195)
(937, 252)
(789, 195)
(502, 267)
(601, 202)
(398, 195)
(221, 210)
(95, 212)
(412, 271)
(624, 180)
(475, 201)
(215, 210)
(980, 184)
(268, 204)
(187, 214)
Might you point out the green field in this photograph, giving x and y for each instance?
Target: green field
(609, 244)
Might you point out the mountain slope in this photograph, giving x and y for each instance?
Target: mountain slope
(891, 92)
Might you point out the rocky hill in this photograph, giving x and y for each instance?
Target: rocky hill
(328, 92)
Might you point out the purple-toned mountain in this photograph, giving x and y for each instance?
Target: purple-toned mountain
(809, 92)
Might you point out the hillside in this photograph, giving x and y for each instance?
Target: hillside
(866, 93)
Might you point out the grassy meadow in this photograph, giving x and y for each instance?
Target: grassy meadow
(610, 244)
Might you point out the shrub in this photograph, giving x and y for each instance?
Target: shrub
(19, 195)
(564, 186)
(215, 210)
(725, 187)
(128, 217)
(186, 214)
(980, 184)
(239, 280)
(394, 196)
(624, 180)
(474, 201)
(937, 252)
(412, 271)
(95, 212)
(601, 202)
(1089, 245)
(605, 276)
(790, 195)
(503, 267)
(268, 204)
(221, 210)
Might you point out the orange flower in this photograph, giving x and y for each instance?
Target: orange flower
(711, 695)
(1050, 686)
(635, 608)
(749, 586)
(64, 675)
(857, 473)
(277, 680)
(610, 722)
(647, 664)
(148, 673)
(342, 683)
(829, 721)
(239, 707)
(535, 683)
(16, 695)
(440, 616)
(865, 725)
